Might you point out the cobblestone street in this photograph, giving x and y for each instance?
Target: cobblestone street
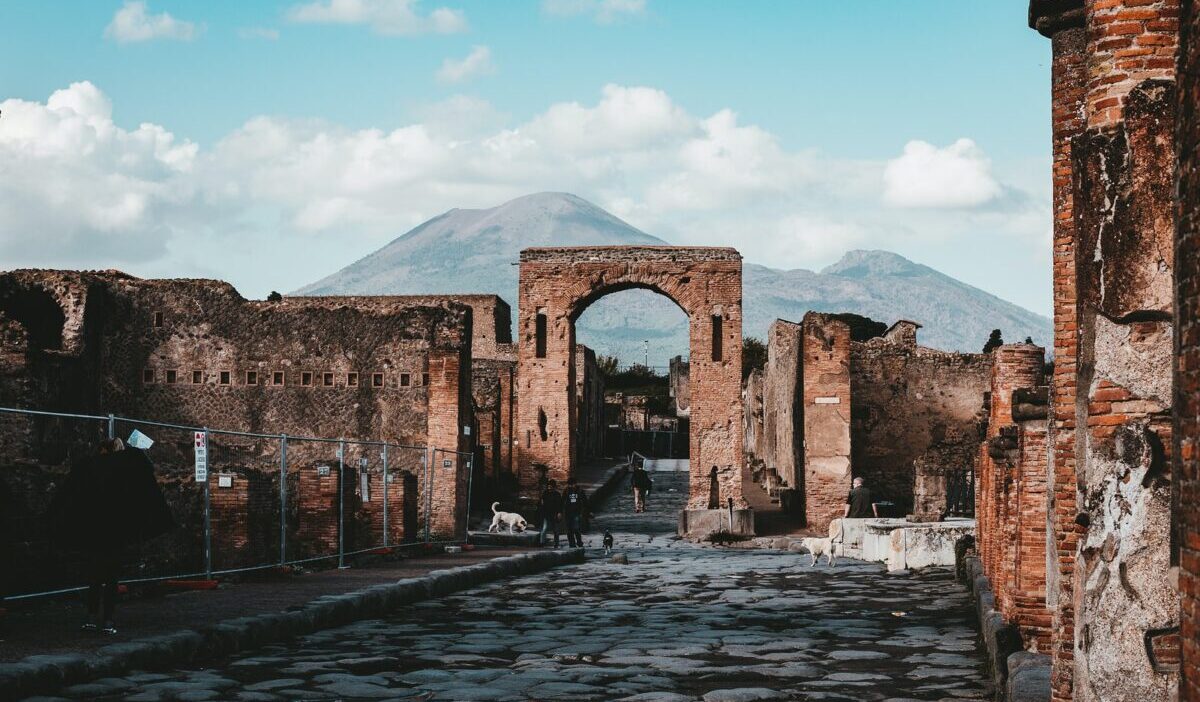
(679, 622)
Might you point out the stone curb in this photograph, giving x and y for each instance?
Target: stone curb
(45, 673)
(1020, 676)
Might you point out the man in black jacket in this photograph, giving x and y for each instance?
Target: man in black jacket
(641, 483)
(574, 507)
(550, 507)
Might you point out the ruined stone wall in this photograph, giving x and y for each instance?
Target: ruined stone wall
(825, 409)
(589, 398)
(193, 352)
(906, 401)
(557, 285)
(783, 409)
(1112, 394)
(1187, 360)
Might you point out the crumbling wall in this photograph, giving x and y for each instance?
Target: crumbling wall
(1187, 360)
(589, 399)
(783, 408)
(679, 387)
(906, 400)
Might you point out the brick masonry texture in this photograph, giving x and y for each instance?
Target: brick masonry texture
(825, 409)
(1187, 361)
(194, 352)
(559, 283)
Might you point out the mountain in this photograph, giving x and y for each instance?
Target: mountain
(474, 251)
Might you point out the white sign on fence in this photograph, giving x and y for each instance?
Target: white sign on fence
(201, 457)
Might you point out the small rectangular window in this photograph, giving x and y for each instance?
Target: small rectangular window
(306, 378)
(377, 380)
(717, 336)
(540, 338)
(252, 377)
(148, 375)
(172, 377)
(405, 380)
(277, 378)
(225, 377)
(352, 380)
(158, 319)
(327, 379)
(425, 379)
(197, 377)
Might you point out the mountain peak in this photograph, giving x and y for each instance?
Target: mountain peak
(865, 263)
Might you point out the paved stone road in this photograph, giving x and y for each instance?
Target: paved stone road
(679, 622)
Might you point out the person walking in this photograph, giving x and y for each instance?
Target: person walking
(550, 507)
(641, 483)
(108, 503)
(859, 504)
(574, 508)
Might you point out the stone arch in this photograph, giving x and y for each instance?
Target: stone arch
(558, 284)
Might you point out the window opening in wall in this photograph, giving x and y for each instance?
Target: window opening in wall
(197, 377)
(540, 332)
(352, 380)
(148, 375)
(542, 424)
(252, 377)
(278, 378)
(717, 324)
(377, 380)
(306, 378)
(225, 377)
(425, 379)
(172, 377)
(158, 319)
(405, 380)
(327, 379)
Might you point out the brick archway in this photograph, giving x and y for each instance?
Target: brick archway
(558, 284)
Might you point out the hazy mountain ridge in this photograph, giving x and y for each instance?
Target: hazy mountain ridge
(474, 251)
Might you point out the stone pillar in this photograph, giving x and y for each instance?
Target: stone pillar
(1063, 23)
(825, 409)
(1187, 358)
(783, 406)
(1126, 608)
(449, 411)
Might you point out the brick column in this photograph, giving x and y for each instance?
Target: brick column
(449, 411)
(825, 380)
(1187, 358)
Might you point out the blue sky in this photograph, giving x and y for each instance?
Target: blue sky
(315, 132)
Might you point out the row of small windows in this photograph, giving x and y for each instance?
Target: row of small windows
(279, 378)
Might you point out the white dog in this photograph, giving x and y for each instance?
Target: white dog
(514, 521)
(819, 547)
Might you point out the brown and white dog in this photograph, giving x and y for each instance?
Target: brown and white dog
(514, 521)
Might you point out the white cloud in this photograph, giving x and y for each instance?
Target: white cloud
(392, 17)
(312, 195)
(476, 63)
(602, 11)
(959, 175)
(258, 33)
(132, 23)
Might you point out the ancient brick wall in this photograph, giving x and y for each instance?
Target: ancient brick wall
(1063, 23)
(908, 400)
(783, 408)
(1187, 361)
(557, 285)
(194, 352)
(825, 409)
(589, 408)
(679, 388)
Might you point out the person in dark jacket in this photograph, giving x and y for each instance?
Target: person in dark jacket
(641, 483)
(550, 507)
(108, 503)
(574, 507)
(859, 504)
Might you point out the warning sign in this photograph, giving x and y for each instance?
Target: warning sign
(201, 445)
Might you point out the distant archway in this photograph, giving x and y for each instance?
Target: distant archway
(558, 284)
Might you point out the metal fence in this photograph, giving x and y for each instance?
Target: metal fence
(266, 501)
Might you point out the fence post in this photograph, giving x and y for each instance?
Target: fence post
(427, 463)
(470, 482)
(282, 499)
(207, 520)
(112, 426)
(385, 495)
(341, 503)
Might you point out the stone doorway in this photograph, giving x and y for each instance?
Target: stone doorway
(558, 284)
